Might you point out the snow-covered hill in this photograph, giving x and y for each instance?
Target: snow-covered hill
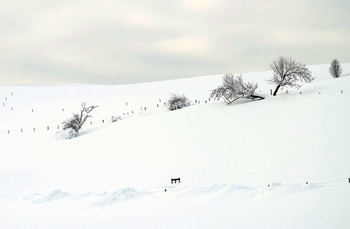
(278, 162)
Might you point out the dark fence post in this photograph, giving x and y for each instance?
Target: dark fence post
(8, 131)
(48, 128)
(34, 129)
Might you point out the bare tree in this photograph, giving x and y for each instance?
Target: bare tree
(176, 102)
(335, 69)
(234, 88)
(287, 72)
(78, 119)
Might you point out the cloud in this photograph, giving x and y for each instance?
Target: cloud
(112, 42)
(199, 5)
(187, 45)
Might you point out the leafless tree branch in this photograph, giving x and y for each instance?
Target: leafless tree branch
(287, 72)
(234, 88)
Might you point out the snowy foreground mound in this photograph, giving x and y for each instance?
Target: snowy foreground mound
(282, 162)
(217, 206)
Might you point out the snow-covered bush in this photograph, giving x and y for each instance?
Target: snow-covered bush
(68, 133)
(72, 123)
(335, 69)
(76, 122)
(176, 102)
(234, 88)
(116, 118)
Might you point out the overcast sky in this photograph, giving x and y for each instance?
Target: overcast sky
(129, 41)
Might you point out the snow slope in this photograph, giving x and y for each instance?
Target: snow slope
(245, 165)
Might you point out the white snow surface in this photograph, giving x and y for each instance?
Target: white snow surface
(281, 162)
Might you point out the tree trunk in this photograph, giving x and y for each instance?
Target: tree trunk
(276, 90)
(256, 97)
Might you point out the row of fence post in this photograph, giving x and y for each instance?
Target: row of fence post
(287, 92)
(308, 182)
(143, 108)
(58, 126)
(196, 101)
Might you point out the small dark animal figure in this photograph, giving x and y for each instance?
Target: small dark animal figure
(175, 179)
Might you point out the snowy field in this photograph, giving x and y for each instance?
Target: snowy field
(281, 162)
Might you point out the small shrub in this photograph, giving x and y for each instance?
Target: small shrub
(335, 69)
(76, 122)
(72, 123)
(177, 102)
